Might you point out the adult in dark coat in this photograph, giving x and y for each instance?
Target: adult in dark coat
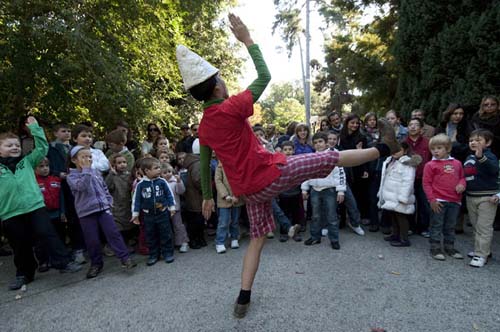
(488, 117)
(456, 126)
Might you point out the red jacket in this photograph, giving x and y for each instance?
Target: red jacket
(441, 177)
(420, 147)
(50, 186)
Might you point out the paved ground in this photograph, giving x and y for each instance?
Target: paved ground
(364, 285)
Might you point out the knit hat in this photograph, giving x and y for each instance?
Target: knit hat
(194, 69)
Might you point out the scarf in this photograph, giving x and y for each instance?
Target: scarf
(11, 162)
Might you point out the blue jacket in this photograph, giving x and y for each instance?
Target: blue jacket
(152, 197)
(90, 191)
(481, 175)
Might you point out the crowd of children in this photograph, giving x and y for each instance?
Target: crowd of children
(109, 202)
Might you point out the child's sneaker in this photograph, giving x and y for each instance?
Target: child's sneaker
(107, 251)
(293, 230)
(184, 247)
(400, 243)
(311, 241)
(43, 267)
(235, 244)
(471, 254)
(478, 261)
(79, 257)
(169, 259)
(283, 237)
(19, 282)
(324, 232)
(270, 235)
(437, 254)
(391, 237)
(358, 230)
(425, 234)
(128, 264)
(71, 267)
(94, 271)
(152, 261)
(220, 248)
(453, 253)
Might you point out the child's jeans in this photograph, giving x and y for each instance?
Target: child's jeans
(351, 206)
(159, 234)
(280, 216)
(423, 209)
(482, 216)
(324, 201)
(228, 223)
(90, 227)
(443, 225)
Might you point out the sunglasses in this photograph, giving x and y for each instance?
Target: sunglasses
(153, 129)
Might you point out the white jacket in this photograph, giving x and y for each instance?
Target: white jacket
(99, 160)
(396, 185)
(336, 179)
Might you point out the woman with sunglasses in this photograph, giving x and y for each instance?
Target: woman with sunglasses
(153, 133)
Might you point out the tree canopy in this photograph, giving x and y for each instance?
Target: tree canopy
(407, 55)
(104, 61)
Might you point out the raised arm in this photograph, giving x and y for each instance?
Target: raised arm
(241, 33)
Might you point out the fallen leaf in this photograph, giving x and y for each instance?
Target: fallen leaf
(18, 297)
(475, 327)
(380, 256)
(299, 272)
(395, 273)
(23, 288)
(377, 329)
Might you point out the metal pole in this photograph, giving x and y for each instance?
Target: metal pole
(303, 70)
(307, 92)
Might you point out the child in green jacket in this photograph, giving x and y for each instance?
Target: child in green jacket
(22, 208)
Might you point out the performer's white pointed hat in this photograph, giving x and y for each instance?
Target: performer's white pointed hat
(194, 69)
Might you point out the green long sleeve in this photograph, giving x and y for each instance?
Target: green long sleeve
(258, 86)
(205, 155)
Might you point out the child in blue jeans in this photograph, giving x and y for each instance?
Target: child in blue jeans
(229, 212)
(325, 194)
(154, 198)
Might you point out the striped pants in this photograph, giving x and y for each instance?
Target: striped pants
(298, 169)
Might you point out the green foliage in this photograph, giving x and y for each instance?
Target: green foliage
(285, 103)
(359, 68)
(104, 61)
(289, 109)
(447, 51)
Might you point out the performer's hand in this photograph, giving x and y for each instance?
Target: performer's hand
(305, 195)
(207, 207)
(135, 220)
(240, 30)
(494, 199)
